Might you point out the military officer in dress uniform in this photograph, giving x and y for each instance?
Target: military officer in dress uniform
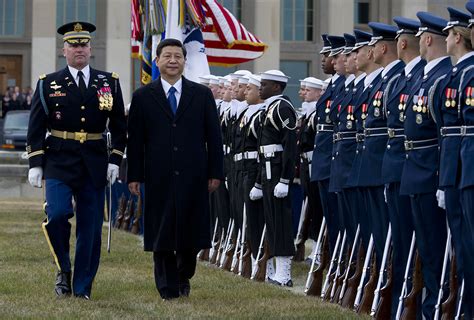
(344, 137)
(399, 208)
(312, 93)
(420, 170)
(321, 162)
(466, 183)
(448, 118)
(375, 133)
(250, 127)
(73, 106)
(277, 147)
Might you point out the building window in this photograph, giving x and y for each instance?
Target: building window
(75, 10)
(234, 6)
(297, 20)
(296, 70)
(12, 18)
(361, 11)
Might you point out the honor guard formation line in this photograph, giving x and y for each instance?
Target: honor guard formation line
(382, 150)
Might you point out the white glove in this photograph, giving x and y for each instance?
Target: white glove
(226, 184)
(112, 173)
(281, 190)
(35, 175)
(440, 198)
(255, 194)
(385, 193)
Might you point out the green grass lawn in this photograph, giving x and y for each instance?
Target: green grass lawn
(124, 287)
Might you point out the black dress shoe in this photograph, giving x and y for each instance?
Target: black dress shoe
(166, 295)
(63, 284)
(82, 296)
(184, 288)
(289, 283)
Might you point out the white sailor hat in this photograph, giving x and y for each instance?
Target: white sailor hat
(255, 80)
(213, 79)
(204, 79)
(227, 80)
(239, 74)
(274, 75)
(313, 82)
(244, 79)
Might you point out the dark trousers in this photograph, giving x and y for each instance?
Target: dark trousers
(359, 208)
(429, 222)
(173, 270)
(330, 212)
(378, 215)
(347, 217)
(467, 200)
(399, 212)
(89, 219)
(454, 214)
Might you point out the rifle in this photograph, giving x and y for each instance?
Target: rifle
(236, 254)
(222, 244)
(369, 288)
(370, 249)
(403, 293)
(331, 266)
(337, 273)
(447, 251)
(229, 250)
(381, 306)
(245, 262)
(127, 215)
(109, 209)
(353, 282)
(120, 212)
(448, 307)
(262, 257)
(349, 267)
(461, 297)
(302, 234)
(215, 255)
(215, 242)
(314, 281)
(228, 236)
(410, 305)
(138, 214)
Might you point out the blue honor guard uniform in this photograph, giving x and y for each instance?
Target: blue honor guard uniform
(420, 171)
(65, 141)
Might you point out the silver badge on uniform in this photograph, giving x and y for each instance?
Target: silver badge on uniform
(401, 117)
(419, 119)
(376, 112)
(328, 120)
(349, 125)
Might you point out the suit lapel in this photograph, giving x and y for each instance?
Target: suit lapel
(187, 92)
(159, 94)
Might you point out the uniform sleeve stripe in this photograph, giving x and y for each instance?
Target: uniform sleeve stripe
(120, 153)
(35, 153)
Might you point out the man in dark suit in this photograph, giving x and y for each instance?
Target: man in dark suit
(74, 105)
(175, 147)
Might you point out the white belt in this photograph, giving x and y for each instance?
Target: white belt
(268, 151)
(246, 155)
(226, 149)
(307, 155)
(325, 128)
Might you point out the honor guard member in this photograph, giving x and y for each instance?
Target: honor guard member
(449, 120)
(466, 183)
(237, 144)
(420, 171)
(365, 63)
(73, 106)
(375, 132)
(277, 147)
(313, 92)
(250, 127)
(345, 137)
(321, 162)
(399, 207)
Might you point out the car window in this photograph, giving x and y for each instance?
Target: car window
(18, 121)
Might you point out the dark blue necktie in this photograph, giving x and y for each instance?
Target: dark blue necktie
(172, 99)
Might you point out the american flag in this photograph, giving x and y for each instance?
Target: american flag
(227, 41)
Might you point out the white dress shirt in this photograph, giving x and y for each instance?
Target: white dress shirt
(178, 86)
(86, 71)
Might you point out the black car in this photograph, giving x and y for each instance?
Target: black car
(15, 127)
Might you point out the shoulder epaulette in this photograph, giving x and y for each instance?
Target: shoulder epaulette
(115, 75)
(42, 76)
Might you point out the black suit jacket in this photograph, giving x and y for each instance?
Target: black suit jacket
(175, 155)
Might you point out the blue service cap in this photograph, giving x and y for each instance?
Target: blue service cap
(406, 26)
(382, 32)
(470, 8)
(337, 45)
(362, 39)
(350, 43)
(457, 18)
(326, 44)
(431, 23)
